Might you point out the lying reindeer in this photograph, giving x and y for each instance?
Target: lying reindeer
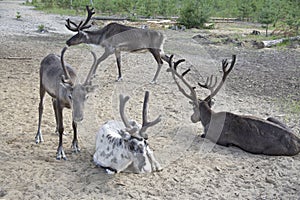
(58, 80)
(252, 134)
(123, 146)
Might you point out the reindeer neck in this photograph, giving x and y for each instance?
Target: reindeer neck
(205, 113)
(94, 37)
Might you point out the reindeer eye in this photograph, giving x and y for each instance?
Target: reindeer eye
(131, 147)
(70, 96)
(87, 96)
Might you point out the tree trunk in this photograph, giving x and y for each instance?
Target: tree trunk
(271, 43)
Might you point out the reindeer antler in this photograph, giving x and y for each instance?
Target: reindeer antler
(173, 69)
(66, 78)
(209, 82)
(82, 25)
(146, 124)
(90, 74)
(129, 128)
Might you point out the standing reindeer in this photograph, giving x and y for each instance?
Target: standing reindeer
(123, 146)
(252, 134)
(116, 38)
(58, 80)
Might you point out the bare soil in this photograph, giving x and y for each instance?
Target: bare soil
(263, 83)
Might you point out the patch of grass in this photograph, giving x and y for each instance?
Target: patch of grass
(54, 9)
(18, 15)
(294, 106)
(61, 11)
(289, 105)
(41, 28)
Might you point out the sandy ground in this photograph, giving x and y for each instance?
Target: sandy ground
(263, 83)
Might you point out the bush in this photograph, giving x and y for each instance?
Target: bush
(194, 14)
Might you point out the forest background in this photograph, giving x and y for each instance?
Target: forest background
(190, 13)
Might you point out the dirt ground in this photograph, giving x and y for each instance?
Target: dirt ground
(263, 83)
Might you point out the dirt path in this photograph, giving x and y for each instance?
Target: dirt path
(193, 168)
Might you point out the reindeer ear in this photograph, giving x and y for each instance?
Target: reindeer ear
(125, 135)
(91, 88)
(210, 103)
(66, 86)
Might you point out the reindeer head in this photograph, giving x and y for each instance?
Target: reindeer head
(132, 127)
(136, 137)
(210, 84)
(81, 36)
(75, 94)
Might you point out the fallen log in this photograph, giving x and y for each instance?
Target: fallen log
(271, 43)
(15, 58)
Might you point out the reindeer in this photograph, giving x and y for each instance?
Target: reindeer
(252, 134)
(123, 146)
(58, 80)
(115, 38)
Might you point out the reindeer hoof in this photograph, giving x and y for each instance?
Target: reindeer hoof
(119, 79)
(75, 147)
(39, 138)
(159, 169)
(60, 154)
(153, 82)
(60, 158)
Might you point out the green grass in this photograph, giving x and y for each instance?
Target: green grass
(55, 9)
(289, 105)
(61, 11)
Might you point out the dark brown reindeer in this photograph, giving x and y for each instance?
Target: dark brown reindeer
(58, 80)
(252, 134)
(116, 38)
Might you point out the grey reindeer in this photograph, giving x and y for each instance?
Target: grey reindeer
(252, 134)
(115, 38)
(58, 80)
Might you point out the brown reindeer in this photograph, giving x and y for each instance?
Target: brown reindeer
(116, 38)
(58, 80)
(252, 134)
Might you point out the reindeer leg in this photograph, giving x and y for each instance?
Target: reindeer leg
(55, 112)
(39, 137)
(75, 146)
(154, 164)
(56, 118)
(106, 53)
(276, 121)
(118, 57)
(156, 54)
(60, 151)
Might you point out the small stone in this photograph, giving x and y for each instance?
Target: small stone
(175, 179)
(269, 180)
(217, 168)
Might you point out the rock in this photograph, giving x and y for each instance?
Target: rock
(271, 181)
(217, 169)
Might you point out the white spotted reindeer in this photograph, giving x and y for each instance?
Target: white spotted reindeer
(123, 147)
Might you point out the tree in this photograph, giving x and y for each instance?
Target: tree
(194, 13)
(245, 9)
(267, 14)
(293, 15)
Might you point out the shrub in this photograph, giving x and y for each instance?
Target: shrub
(194, 14)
